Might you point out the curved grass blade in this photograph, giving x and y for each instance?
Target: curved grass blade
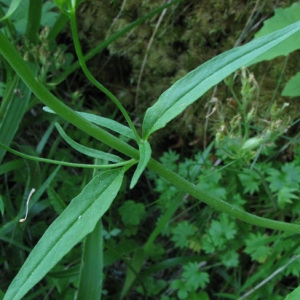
(12, 110)
(13, 7)
(145, 155)
(104, 122)
(192, 86)
(91, 273)
(85, 150)
(76, 221)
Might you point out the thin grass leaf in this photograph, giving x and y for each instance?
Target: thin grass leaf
(11, 166)
(192, 86)
(16, 102)
(8, 227)
(77, 220)
(163, 221)
(86, 150)
(145, 155)
(132, 273)
(56, 201)
(13, 7)
(104, 122)
(91, 273)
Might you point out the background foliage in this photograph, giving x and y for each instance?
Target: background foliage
(157, 242)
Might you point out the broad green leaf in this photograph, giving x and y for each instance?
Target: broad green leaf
(282, 17)
(13, 6)
(292, 88)
(145, 155)
(104, 122)
(85, 150)
(294, 295)
(77, 220)
(194, 277)
(192, 86)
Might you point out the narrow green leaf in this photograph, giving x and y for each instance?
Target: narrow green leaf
(11, 166)
(56, 201)
(145, 155)
(18, 95)
(77, 220)
(163, 221)
(109, 124)
(6, 168)
(2, 208)
(131, 275)
(13, 6)
(91, 272)
(85, 150)
(192, 86)
(104, 122)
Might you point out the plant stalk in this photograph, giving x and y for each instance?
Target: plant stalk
(20, 66)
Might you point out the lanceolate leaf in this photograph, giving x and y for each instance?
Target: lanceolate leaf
(192, 86)
(109, 124)
(76, 221)
(85, 150)
(104, 122)
(145, 155)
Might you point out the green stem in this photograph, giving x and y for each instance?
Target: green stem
(17, 63)
(93, 80)
(68, 164)
(105, 43)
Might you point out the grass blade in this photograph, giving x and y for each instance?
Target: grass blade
(13, 6)
(92, 264)
(85, 150)
(12, 113)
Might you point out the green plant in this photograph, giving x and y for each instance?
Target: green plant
(82, 217)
